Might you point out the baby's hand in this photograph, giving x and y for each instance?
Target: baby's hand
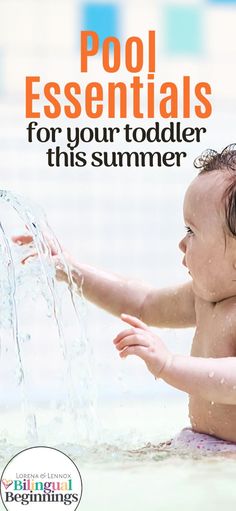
(141, 341)
(27, 239)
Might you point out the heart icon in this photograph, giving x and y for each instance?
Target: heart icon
(7, 483)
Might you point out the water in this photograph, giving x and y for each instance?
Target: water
(48, 394)
(167, 485)
(121, 471)
(34, 306)
(138, 477)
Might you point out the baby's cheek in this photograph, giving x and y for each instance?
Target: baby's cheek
(191, 247)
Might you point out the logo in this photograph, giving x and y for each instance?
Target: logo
(6, 483)
(41, 478)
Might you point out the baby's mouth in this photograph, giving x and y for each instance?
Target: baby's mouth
(184, 264)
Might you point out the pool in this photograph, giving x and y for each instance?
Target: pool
(120, 473)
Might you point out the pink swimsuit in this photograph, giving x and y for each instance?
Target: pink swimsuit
(199, 442)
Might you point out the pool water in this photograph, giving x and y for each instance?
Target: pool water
(122, 469)
(145, 479)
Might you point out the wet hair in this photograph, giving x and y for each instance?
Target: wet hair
(211, 160)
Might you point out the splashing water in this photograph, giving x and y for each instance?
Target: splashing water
(47, 391)
(46, 360)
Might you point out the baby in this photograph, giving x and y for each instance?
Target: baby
(207, 302)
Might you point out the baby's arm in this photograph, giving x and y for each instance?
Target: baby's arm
(173, 307)
(169, 307)
(214, 379)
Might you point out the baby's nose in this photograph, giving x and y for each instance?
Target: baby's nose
(182, 245)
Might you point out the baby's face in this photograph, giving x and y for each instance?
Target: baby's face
(209, 251)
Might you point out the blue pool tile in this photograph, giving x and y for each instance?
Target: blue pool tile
(183, 29)
(101, 18)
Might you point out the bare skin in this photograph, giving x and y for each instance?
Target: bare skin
(208, 302)
(215, 337)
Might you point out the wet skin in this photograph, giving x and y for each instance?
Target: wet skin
(214, 337)
(210, 256)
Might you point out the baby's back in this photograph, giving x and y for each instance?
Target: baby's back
(215, 337)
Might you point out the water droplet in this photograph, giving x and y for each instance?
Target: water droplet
(212, 402)
(211, 374)
(210, 261)
(234, 387)
(222, 380)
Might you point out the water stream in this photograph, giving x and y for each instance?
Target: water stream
(34, 307)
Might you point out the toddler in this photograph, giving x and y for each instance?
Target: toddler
(207, 302)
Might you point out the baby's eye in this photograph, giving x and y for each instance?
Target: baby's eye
(188, 230)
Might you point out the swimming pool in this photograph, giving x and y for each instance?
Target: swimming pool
(118, 475)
